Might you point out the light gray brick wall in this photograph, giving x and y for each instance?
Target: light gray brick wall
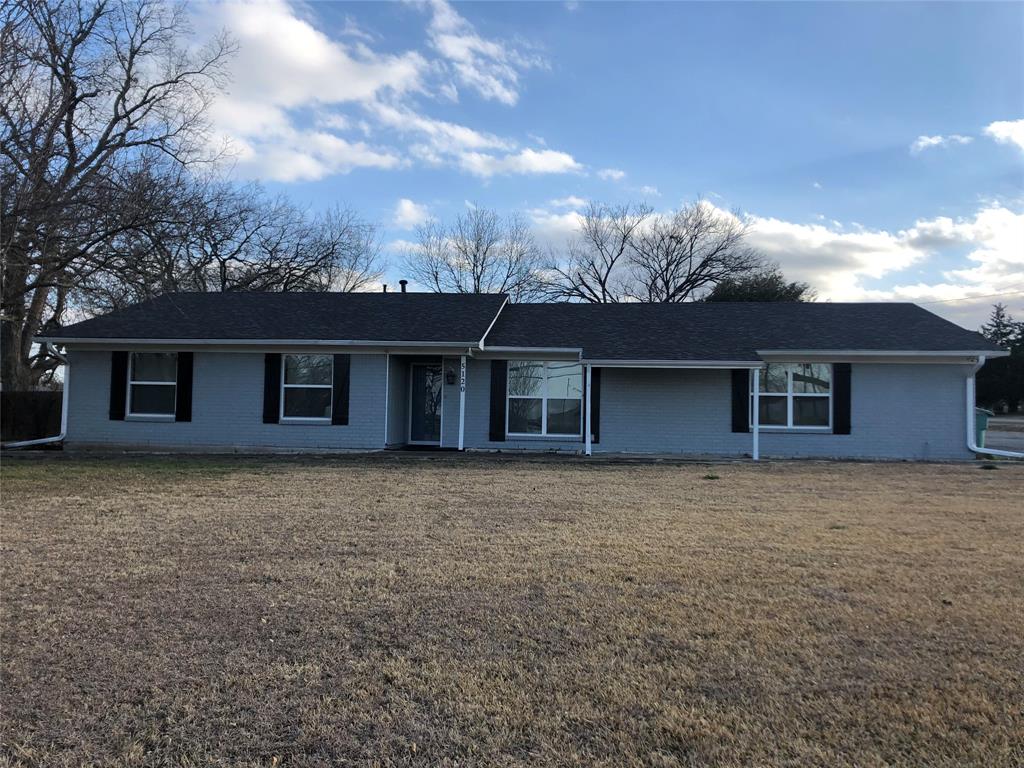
(227, 408)
(898, 412)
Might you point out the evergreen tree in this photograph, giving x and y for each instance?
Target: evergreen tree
(1001, 381)
(1001, 327)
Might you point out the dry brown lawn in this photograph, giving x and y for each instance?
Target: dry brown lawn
(445, 611)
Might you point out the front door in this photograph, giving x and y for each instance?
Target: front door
(425, 408)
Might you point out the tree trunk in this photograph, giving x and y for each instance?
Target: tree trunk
(15, 371)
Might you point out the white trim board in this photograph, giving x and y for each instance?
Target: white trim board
(377, 343)
(674, 363)
(873, 356)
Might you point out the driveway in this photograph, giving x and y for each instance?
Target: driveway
(1005, 433)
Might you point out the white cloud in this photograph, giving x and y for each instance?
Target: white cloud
(816, 185)
(921, 143)
(554, 230)
(409, 214)
(288, 115)
(401, 246)
(649, 191)
(490, 67)
(526, 161)
(445, 137)
(311, 155)
(840, 263)
(570, 201)
(1007, 132)
(834, 262)
(613, 174)
(285, 64)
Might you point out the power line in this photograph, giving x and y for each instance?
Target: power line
(973, 298)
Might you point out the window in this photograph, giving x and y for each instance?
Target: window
(152, 383)
(795, 396)
(307, 385)
(545, 398)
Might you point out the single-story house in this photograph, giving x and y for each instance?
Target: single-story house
(332, 371)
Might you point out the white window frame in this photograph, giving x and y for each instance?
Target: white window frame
(304, 419)
(544, 401)
(790, 395)
(132, 381)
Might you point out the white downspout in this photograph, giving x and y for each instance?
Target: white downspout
(63, 408)
(970, 419)
(587, 447)
(756, 416)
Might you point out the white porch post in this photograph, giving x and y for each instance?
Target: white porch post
(586, 431)
(462, 401)
(757, 414)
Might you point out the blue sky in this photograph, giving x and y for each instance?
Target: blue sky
(877, 149)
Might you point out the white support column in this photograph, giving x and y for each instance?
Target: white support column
(756, 454)
(586, 431)
(462, 401)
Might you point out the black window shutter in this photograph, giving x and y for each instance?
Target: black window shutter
(595, 405)
(183, 403)
(841, 398)
(740, 400)
(499, 389)
(339, 403)
(118, 384)
(271, 388)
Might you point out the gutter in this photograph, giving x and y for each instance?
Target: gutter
(63, 409)
(970, 418)
(192, 343)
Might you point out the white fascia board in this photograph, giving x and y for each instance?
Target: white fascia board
(367, 345)
(577, 351)
(714, 364)
(876, 355)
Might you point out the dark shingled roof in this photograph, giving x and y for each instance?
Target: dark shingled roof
(727, 330)
(418, 317)
(713, 331)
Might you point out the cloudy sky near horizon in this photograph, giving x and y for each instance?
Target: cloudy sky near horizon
(878, 149)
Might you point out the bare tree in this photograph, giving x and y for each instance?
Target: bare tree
(595, 267)
(218, 237)
(349, 250)
(479, 253)
(92, 94)
(673, 258)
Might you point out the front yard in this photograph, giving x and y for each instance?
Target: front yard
(445, 611)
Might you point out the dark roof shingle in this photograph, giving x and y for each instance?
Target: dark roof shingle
(727, 330)
(415, 317)
(683, 332)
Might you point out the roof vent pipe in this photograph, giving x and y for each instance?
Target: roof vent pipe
(385, 287)
(403, 283)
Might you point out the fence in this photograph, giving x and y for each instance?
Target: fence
(29, 415)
